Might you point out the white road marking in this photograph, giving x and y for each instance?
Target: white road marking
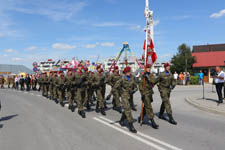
(130, 134)
(39, 95)
(146, 136)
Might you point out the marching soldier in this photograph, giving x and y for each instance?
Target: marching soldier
(60, 83)
(70, 90)
(166, 83)
(8, 81)
(54, 87)
(2, 81)
(115, 92)
(80, 78)
(99, 83)
(88, 86)
(45, 85)
(146, 85)
(50, 81)
(126, 84)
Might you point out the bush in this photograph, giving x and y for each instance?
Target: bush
(194, 80)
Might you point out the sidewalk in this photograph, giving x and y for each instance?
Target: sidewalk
(209, 104)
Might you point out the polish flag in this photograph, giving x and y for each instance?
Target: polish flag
(151, 54)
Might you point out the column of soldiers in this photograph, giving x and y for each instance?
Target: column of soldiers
(82, 87)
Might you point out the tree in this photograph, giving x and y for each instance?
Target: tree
(183, 60)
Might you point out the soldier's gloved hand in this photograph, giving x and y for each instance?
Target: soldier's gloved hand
(143, 98)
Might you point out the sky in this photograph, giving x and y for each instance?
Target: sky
(37, 30)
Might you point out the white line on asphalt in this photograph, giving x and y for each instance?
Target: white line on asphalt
(130, 134)
(146, 136)
(39, 95)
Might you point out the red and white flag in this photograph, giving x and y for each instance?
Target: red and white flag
(151, 54)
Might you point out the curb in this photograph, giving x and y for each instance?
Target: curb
(204, 108)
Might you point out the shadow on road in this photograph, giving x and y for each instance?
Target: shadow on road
(8, 117)
(1, 126)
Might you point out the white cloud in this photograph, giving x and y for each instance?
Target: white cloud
(90, 46)
(136, 28)
(63, 46)
(104, 44)
(32, 48)
(17, 59)
(10, 50)
(5, 55)
(107, 44)
(218, 15)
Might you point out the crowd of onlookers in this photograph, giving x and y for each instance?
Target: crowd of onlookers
(183, 78)
(19, 82)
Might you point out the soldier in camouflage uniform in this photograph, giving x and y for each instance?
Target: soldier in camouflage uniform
(50, 80)
(99, 83)
(115, 92)
(40, 82)
(60, 84)
(70, 90)
(127, 84)
(146, 84)
(54, 87)
(88, 86)
(79, 79)
(45, 85)
(166, 83)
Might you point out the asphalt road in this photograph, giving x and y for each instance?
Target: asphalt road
(31, 122)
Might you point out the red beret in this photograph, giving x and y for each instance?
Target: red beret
(85, 69)
(69, 69)
(80, 65)
(116, 67)
(148, 66)
(166, 65)
(98, 66)
(127, 69)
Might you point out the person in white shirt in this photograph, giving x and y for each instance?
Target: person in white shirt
(219, 81)
(175, 75)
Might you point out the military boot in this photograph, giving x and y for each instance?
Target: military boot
(70, 107)
(62, 104)
(96, 109)
(82, 113)
(161, 116)
(133, 108)
(108, 97)
(103, 111)
(154, 125)
(171, 120)
(131, 128)
(123, 117)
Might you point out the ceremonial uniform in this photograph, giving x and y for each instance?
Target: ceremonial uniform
(146, 85)
(99, 83)
(60, 84)
(115, 92)
(128, 86)
(166, 83)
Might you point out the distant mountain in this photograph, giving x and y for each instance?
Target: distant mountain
(14, 69)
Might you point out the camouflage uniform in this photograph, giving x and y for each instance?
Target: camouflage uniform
(54, 87)
(45, 85)
(146, 91)
(128, 86)
(115, 92)
(60, 84)
(99, 83)
(70, 90)
(166, 83)
(50, 81)
(79, 78)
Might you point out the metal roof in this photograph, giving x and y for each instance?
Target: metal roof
(14, 69)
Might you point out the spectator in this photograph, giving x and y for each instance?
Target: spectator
(201, 76)
(181, 78)
(188, 78)
(22, 81)
(175, 75)
(17, 82)
(219, 81)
